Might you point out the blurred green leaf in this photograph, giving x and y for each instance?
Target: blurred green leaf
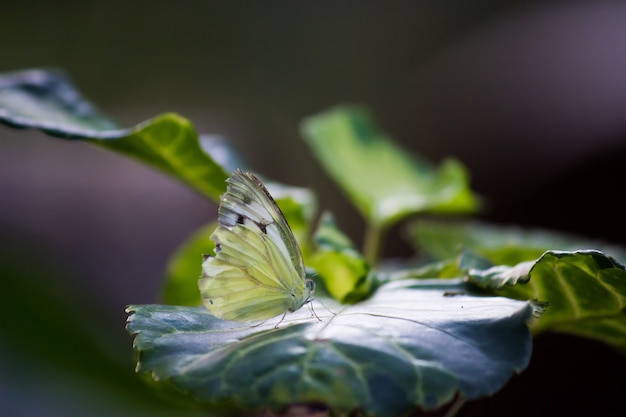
(46, 100)
(385, 182)
(586, 292)
(185, 267)
(411, 344)
(338, 263)
(440, 269)
(506, 245)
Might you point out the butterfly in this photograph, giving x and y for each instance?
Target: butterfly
(257, 271)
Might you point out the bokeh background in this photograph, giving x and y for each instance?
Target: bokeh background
(530, 95)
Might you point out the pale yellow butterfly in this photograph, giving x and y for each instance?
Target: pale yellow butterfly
(257, 271)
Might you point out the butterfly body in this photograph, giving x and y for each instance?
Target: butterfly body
(257, 271)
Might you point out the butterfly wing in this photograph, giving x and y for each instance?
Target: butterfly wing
(248, 201)
(257, 271)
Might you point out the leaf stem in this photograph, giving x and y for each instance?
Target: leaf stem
(372, 242)
(455, 407)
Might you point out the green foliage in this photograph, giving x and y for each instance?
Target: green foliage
(398, 349)
(46, 100)
(339, 265)
(385, 182)
(505, 245)
(391, 336)
(185, 266)
(585, 291)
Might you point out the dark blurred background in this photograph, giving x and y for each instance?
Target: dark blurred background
(529, 95)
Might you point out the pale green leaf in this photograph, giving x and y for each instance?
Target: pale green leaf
(339, 265)
(385, 182)
(185, 267)
(507, 245)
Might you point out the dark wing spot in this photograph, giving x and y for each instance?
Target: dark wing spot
(262, 227)
(241, 219)
(218, 247)
(453, 293)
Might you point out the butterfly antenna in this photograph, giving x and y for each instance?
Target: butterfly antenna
(327, 309)
(313, 313)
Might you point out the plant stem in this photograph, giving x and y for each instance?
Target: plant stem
(455, 407)
(372, 242)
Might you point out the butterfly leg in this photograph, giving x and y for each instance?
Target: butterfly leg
(281, 320)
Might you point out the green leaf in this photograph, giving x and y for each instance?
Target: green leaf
(170, 143)
(586, 292)
(185, 267)
(340, 266)
(498, 276)
(507, 245)
(47, 101)
(385, 182)
(414, 343)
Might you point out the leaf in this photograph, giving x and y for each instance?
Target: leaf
(414, 343)
(498, 276)
(385, 182)
(170, 144)
(340, 266)
(185, 267)
(507, 245)
(47, 101)
(586, 292)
